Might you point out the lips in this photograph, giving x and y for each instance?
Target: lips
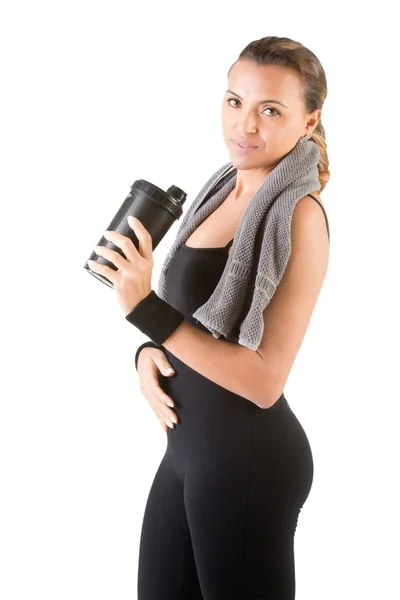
(243, 143)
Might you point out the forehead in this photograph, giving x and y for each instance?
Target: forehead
(259, 82)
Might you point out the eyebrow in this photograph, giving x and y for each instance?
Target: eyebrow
(262, 101)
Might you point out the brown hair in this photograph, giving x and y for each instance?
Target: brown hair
(273, 50)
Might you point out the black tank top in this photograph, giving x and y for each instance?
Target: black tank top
(194, 273)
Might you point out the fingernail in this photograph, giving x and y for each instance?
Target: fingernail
(169, 370)
(170, 425)
(173, 419)
(170, 404)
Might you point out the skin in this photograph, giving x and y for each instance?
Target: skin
(274, 134)
(259, 376)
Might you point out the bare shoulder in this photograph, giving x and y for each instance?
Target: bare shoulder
(309, 211)
(308, 200)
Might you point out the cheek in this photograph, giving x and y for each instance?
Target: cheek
(226, 116)
(279, 129)
(227, 125)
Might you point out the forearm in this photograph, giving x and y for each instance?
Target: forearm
(230, 365)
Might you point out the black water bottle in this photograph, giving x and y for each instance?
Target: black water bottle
(156, 209)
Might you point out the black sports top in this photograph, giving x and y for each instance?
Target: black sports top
(192, 277)
(194, 273)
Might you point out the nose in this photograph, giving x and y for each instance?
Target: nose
(247, 122)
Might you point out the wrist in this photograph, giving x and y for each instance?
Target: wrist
(155, 318)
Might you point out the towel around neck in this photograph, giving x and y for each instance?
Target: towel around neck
(261, 247)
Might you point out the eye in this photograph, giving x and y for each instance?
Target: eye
(271, 108)
(268, 107)
(229, 100)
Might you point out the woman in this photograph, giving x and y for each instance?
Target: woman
(221, 515)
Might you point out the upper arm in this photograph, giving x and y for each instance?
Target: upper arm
(288, 314)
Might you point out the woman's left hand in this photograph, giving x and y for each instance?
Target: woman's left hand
(132, 281)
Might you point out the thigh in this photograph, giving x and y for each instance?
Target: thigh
(166, 569)
(216, 493)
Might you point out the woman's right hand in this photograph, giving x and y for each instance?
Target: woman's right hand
(151, 362)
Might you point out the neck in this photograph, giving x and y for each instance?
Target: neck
(248, 181)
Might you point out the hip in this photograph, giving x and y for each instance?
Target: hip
(219, 431)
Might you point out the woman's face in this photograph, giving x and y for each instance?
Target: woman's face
(273, 128)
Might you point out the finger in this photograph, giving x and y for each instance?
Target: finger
(169, 414)
(169, 419)
(173, 418)
(162, 423)
(157, 396)
(144, 237)
(158, 404)
(112, 256)
(163, 365)
(160, 394)
(124, 243)
(167, 369)
(103, 270)
(170, 424)
(168, 401)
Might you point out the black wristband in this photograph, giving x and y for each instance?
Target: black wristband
(155, 318)
(146, 345)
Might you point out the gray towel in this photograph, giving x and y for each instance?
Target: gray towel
(251, 276)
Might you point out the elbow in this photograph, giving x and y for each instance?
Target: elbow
(264, 382)
(270, 393)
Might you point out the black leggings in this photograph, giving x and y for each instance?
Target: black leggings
(222, 511)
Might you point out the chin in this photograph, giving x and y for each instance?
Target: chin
(242, 162)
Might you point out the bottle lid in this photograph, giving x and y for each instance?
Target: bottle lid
(171, 200)
(178, 194)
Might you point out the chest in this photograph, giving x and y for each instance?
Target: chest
(220, 226)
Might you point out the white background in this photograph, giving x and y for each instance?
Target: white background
(94, 96)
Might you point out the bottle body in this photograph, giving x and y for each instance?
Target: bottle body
(156, 210)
